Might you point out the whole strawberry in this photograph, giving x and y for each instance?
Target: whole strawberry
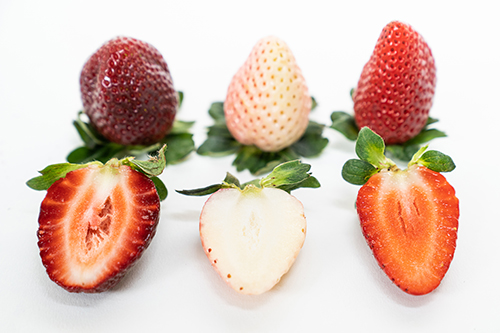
(128, 93)
(396, 87)
(409, 217)
(268, 102)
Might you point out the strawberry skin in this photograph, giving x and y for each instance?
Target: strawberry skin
(94, 225)
(128, 93)
(410, 221)
(268, 102)
(396, 87)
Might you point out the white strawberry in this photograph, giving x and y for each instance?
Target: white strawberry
(252, 233)
(268, 102)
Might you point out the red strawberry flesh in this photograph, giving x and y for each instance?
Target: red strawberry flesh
(410, 220)
(94, 225)
(396, 87)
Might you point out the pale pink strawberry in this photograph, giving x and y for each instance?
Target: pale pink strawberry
(268, 102)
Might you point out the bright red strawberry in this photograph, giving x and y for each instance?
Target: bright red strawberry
(128, 93)
(252, 233)
(95, 222)
(268, 102)
(408, 217)
(396, 87)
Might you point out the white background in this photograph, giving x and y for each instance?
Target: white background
(335, 284)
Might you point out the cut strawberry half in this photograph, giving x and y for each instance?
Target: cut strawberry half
(408, 217)
(96, 221)
(252, 233)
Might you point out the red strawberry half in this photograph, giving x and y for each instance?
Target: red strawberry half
(396, 87)
(128, 93)
(96, 220)
(408, 217)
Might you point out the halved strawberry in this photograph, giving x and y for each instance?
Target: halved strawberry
(96, 220)
(252, 233)
(408, 217)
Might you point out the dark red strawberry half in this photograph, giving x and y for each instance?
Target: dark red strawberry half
(96, 221)
(128, 93)
(408, 217)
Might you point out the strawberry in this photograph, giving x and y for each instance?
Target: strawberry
(252, 233)
(409, 217)
(396, 87)
(96, 220)
(268, 102)
(128, 93)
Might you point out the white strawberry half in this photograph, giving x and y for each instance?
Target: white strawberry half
(252, 232)
(252, 236)
(268, 102)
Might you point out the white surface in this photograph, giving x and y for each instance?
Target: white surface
(335, 284)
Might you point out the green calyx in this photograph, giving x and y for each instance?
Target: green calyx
(97, 148)
(287, 176)
(152, 168)
(371, 149)
(220, 142)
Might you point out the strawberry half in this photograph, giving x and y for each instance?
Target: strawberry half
(96, 220)
(408, 217)
(252, 233)
(128, 93)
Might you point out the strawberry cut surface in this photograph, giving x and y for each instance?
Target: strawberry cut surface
(410, 221)
(94, 224)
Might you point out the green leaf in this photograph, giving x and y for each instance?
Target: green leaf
(252, 158)
(52, 173)
(202, 191)
(287, 173)
(161, 189)
(180, 127)
(230, 179)
(179, 147)
(312, 142)
(289, 176)
(370, 148)
(358, 172)
(216, 111)
(345, 124)
(89, 135)
(218, 146)
(424, 136)
(180, 99)
(98, 153)
(437, 161)
(154, 166)
(402, 152)
(314, 104)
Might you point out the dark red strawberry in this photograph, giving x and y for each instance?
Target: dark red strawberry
(128, 93)
(408, 217)
(396, 87)
(96, 220)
